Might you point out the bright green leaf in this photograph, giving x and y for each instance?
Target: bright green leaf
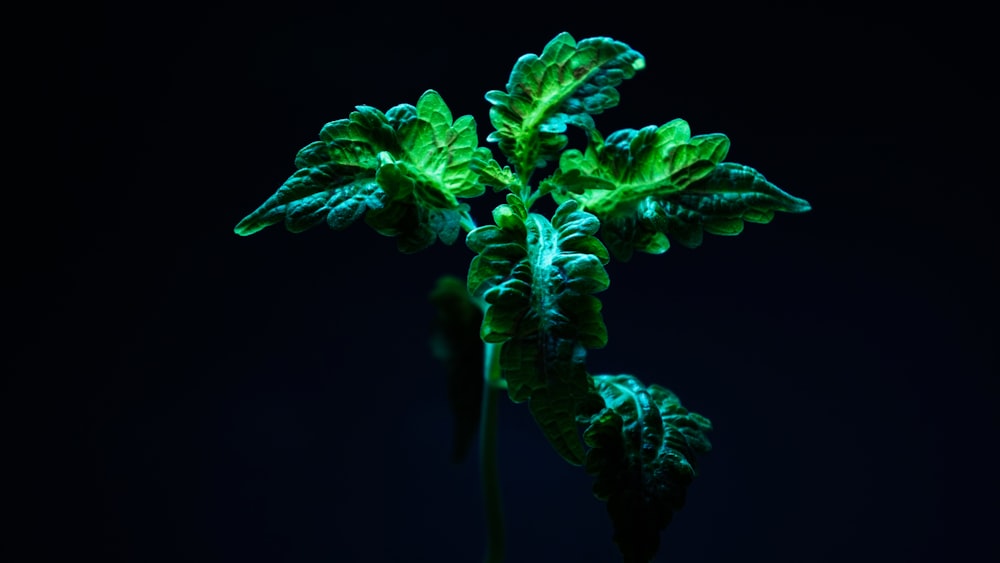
(404, 171)
(654, 184)
(631, 165)
(491, 174)
(566, 85)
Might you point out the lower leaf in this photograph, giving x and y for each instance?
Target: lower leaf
(642, 452)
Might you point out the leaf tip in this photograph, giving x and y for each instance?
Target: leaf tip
(247, 227)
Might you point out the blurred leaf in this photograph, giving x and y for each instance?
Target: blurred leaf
(455, 341)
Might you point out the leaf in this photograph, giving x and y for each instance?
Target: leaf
(404, 171)
(455, 341)
(657, 182)
(566, 85)
(313, 195)
(642, 453)
(538, 278)
(441, 150)
(490, 174)
(634, 164)
(718, 204)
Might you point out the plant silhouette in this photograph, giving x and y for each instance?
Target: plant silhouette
(525, 317)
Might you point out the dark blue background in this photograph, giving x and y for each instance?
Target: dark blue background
(176, 393)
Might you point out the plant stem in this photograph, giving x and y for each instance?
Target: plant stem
(489, 475)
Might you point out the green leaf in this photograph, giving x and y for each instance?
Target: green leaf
(566, 85)
(657, 182)
(455, 341)
(642, 453)
(491, 174)
(538, 278)
(404, 171)
(440, 152)
(313, 195)
(718, 204)
(632, 165)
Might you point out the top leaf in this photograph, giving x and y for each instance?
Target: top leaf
(567, 84)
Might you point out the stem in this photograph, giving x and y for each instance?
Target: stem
(532, 198)
(489, 475)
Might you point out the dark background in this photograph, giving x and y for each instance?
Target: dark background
(174, 392)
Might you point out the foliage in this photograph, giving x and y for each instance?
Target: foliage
(530, 290)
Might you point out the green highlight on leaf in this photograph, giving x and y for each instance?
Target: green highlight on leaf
(614, 175)
(538, 279)
(404, 171)
(655, 182)
(566, 85)
(642, 453)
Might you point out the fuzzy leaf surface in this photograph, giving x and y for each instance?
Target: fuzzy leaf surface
(643, 446)
(538, 278)
(565, 85)
(403, 171)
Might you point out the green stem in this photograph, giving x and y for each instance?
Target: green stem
(489, 475)
(532, 198)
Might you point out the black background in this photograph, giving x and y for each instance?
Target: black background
(174, 392)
